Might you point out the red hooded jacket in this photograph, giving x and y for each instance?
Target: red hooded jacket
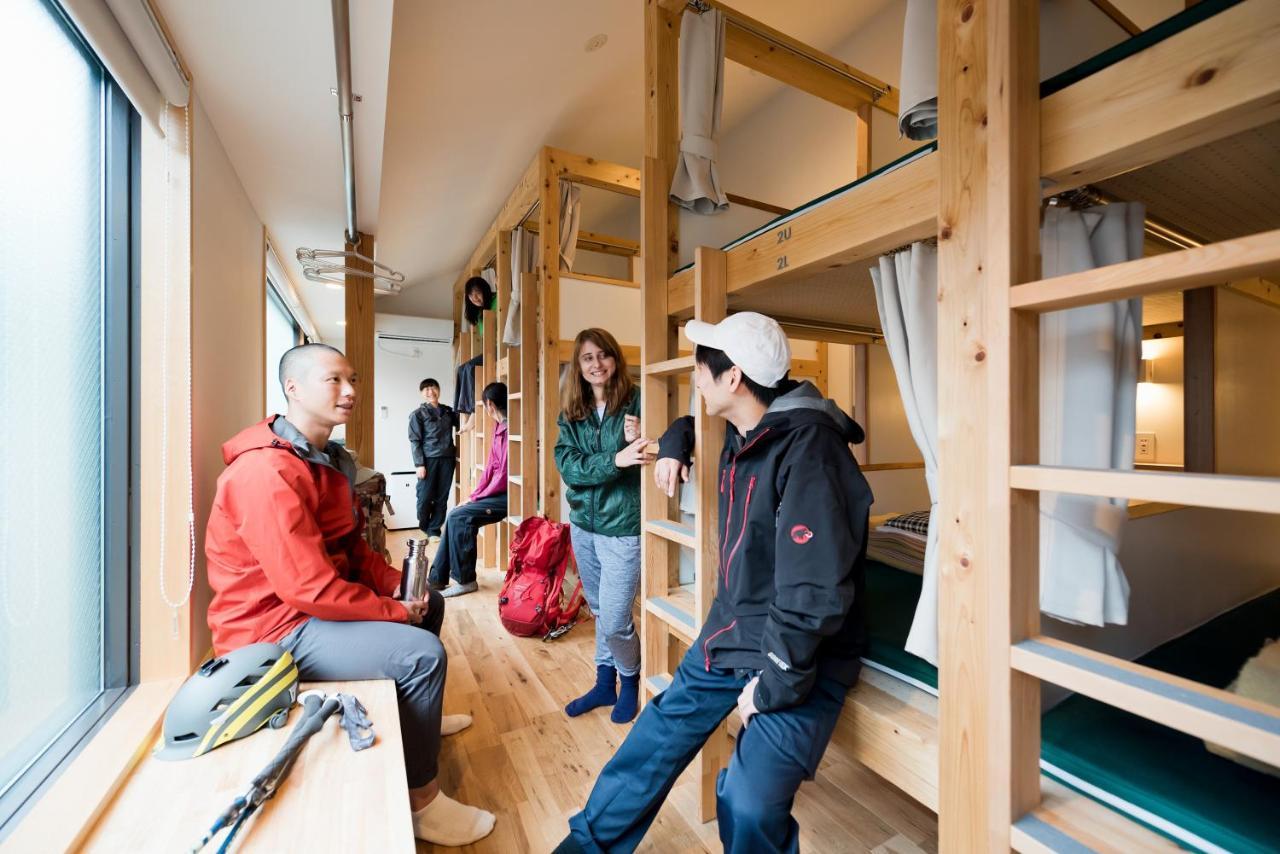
(283, 544)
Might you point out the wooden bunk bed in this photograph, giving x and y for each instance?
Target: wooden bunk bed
(532, 369)
(973, 753)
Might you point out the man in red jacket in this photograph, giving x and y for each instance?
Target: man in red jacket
(287, 565)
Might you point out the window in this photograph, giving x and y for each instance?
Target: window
(283, 333)
(68, 206)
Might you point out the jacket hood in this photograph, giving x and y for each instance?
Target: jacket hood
(260, 435)
(802, 402)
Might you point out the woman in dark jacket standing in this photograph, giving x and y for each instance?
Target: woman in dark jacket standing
(599, 455)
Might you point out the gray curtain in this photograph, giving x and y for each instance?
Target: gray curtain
(525, 247)
(918, 101)
(1088, 399)
(906, 286)
(696, 183)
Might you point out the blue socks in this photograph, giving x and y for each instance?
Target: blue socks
(628, 700)
(605, 693)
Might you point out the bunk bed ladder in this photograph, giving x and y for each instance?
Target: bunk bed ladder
(994, 656)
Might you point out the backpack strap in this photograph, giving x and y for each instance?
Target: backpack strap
(569, 614)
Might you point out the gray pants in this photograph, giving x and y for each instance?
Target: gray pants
(328, 651)
(610, 571)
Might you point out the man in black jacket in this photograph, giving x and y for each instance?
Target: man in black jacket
(785, 631)
(431, 428)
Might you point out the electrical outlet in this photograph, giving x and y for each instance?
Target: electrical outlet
(1144, 450)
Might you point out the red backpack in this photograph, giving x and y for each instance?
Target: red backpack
(530, 602)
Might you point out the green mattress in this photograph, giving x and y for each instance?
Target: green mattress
(1091, 746)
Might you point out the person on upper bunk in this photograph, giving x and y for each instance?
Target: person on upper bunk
(787, 626)
(288, 565)
(479, 298)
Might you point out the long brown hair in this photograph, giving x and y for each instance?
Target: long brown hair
(576, 397)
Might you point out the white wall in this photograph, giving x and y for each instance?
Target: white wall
(227, 293)
(1160, 402)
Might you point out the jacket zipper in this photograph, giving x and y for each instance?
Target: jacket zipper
(746, 508)
(733, 472)
(706, 653)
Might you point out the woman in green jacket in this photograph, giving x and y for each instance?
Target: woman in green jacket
(599, 455)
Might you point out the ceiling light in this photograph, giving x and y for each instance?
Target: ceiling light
(595, 42)
(342, 323)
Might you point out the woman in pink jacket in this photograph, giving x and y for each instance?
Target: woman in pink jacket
(454, 570)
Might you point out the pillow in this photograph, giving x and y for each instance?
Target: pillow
(1259, 680)
(916, 523)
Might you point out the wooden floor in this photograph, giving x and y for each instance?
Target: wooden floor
(533, 766)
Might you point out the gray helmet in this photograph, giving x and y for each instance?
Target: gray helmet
(230, 697)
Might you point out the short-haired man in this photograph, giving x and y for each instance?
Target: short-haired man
(783, 637)
(456, 557)
(431, 428)
(288, 565)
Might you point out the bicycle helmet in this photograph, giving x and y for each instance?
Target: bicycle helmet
(229, 697)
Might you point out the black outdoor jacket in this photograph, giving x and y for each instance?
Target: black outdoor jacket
(431, 432)
(793, 539)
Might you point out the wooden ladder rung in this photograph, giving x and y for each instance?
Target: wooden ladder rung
(1224, 492)
(673, 531)
(1245, 726)
(669, 367)
(514, 437)
(515, 520)
(1212, 264)
(515, 395)
(657, 683)
(676, 611)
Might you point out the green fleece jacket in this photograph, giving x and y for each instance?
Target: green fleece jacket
(603, 498)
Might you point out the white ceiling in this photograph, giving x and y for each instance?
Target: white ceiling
(262, 72)
(466, 93)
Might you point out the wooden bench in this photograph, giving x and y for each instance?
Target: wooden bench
(334, 799)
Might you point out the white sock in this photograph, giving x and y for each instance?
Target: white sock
(444, 821)
(450, 724)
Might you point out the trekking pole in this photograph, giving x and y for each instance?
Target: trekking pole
(317, 708)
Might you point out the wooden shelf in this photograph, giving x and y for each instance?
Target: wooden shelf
(515, 395)
(678, 365)
(518, 480)
(676, 611)
(680, 534)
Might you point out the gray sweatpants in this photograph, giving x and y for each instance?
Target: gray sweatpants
(610, 571)
(328, 651)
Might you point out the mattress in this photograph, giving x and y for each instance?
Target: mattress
(1162, 778)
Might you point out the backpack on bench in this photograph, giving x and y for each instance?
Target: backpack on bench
(531, 602)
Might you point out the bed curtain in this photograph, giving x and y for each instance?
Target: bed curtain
(524, 254)
(906, 286)
(1088, 399)
(696, 183)
(918, 101)
(1088, 413)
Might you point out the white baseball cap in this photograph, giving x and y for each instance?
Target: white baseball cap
(753, 342)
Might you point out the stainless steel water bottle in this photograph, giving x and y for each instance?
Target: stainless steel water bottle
(413, 580)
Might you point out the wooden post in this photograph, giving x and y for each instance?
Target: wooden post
(1198, 318)
(503, 267)
(862, 139)
(488, 554)
(861, 395)
(988, 418)
(527, 406)
(710, 303)
(358, 291)
(548, 401)
(657, 258)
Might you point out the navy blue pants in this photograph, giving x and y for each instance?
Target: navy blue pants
(773, 756)
(457, 554)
